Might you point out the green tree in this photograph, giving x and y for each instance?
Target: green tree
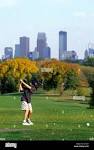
(71, 80)
(51, 83)
(89, 61)
(8, 85)
(89, 73)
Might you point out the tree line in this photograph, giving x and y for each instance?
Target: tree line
(47, 73)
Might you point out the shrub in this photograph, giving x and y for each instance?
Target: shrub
(71, 80)
(8, 85)
(83, 91)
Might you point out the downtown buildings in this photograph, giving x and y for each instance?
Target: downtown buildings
(63, 53)
(24, 46)
(17, 50)
(8, 53)
(42, 51)
(62, 43)
(89, 52)
(22, 49)
(42, 47)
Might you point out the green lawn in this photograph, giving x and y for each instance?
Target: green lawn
(53, 117)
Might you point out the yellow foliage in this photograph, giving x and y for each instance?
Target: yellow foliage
(18, 68)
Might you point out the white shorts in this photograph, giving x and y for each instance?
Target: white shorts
(26, 106)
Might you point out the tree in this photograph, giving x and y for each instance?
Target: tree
(17, 68)
(51, 72)
(91, 82)
(89, 73)
(8, 85)
(55, 71)
(51, 83)
(89, 61)
(71, 80)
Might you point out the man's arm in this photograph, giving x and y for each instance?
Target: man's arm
(29, 87)
(20, 88)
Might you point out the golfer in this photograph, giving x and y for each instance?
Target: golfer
(26, 106)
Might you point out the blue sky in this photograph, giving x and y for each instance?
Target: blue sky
(28, 17)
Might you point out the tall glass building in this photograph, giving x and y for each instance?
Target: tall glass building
(17, 50)
(8, 52)
(62, 43)
(41, 44)
(42, 47)
(24, 46)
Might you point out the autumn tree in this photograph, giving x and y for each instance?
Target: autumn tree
(17, 68)
(55, 71)
(89, 73)
(51, 73)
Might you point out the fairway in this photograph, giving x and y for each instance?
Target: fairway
(54, 119)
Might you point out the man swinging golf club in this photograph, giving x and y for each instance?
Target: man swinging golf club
(26, 105)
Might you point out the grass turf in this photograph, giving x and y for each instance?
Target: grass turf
(53, 117)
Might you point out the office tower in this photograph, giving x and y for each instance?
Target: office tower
(41, 44)
(47, 53)
(8, 52)
(90, 51)
(35, 55)
(62, 43)
(24, 46)
(69, 55)
(17, 50)
(86, 54)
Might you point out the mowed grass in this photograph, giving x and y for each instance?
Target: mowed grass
(54, 119)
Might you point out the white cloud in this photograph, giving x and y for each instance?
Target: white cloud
(7, 3)
(83, 14)
(80, 14)
(92, 14)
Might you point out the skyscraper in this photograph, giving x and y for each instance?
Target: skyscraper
(62, 43)
(24, 46)
(47, 53)
(90, 51)
(86, 54)
(17, 50)
(8, 52)
(41, 44)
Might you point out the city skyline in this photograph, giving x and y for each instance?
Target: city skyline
(27, 18)
(25, 46)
